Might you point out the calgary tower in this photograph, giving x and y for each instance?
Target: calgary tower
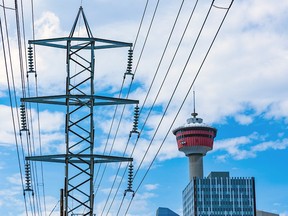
(195, 139)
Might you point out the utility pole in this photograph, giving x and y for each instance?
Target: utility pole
(80, 100)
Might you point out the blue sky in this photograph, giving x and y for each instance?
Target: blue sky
(241, 90)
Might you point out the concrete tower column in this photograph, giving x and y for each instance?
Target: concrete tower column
(195, 166)
(195, 139)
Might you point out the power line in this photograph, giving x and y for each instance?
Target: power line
(12, 114)
(156, 96)
(142, 50)
(107, 140)
(114, 181)
(140, 25)
(163, 54)
(167, 106)
(136, 39)
(32, 70)
(29, 138)
(11, 103)
(147, 35)
(8, 8)
(133, 131)
(116, 108)
(172, 30)
(185, 98)
(178, 79)
(20, 48)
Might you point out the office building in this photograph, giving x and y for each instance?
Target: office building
(218, 194)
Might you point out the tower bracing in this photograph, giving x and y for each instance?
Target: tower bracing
(79, 100)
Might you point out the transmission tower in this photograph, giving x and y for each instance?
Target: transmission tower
(79, 159)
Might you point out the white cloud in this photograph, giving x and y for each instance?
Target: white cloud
(11, 194)
(276, 145)
(141, 205)
(48, 26)
(150, 187)
(15, 179)
(6, 130)
(244, 119)
(240, 148)
(278, 110)
(118, 178)
(51, 121)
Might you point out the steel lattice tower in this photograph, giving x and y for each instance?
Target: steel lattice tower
(79, 100)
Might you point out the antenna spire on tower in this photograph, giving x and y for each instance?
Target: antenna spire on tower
(194, 114)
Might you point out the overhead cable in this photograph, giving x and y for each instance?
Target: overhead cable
(174, 91)
(140, 26)
(142, 50)
(13, 117)
(185, 98)
(11, 103)
(170, 35)
(116, 108)
(147, 35)
(163, 54)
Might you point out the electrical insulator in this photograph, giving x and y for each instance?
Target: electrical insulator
(30, 60)
(28, 177)
(129, 64)
(135, 122)
(130, 180)
(23, 117)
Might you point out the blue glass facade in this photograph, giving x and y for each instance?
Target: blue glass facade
(165, 212)
(218, 194)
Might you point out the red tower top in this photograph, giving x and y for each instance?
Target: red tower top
(195, 137)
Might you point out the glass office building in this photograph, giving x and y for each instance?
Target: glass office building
(218, 194)
(165, 212)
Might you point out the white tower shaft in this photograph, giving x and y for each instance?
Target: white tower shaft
(195, 166)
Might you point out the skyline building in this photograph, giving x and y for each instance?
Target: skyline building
(219, 194)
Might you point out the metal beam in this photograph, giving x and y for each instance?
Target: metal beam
(79, 100)
(61, 43)
(82, 158)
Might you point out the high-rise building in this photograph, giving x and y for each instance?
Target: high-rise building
(219, 194)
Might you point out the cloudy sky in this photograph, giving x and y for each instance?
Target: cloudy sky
(241, 90)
